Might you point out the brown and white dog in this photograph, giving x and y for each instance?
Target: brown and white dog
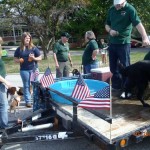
(16, 94)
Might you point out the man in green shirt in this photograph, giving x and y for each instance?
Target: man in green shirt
(62, 56)
(121, 17)
(3, 98)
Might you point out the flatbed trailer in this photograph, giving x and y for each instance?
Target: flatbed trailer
(130, 122)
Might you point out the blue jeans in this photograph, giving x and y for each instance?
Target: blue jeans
(3, 107)
(87, 68)
(118, 53)
(25, 75)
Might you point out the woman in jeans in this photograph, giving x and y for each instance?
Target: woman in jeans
(89, 59)
(27, 55)
(3, 98)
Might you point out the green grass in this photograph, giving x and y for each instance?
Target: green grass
(12, 67)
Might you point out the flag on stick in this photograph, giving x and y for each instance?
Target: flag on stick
(34, 74)
(100, 100)
(47, 78)
(81, 90)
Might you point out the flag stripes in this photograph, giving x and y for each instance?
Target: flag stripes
(47, 78)
(100, 100)
(81, 90)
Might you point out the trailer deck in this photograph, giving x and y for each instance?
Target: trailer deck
(128, 117)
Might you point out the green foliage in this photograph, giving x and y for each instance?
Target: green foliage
(11, 43)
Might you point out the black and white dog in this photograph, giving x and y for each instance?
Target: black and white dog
(75, 72)
(138, 76)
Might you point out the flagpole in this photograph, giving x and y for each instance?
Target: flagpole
(110, 109)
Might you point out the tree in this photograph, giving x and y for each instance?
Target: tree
(43, 17)
(92, 17)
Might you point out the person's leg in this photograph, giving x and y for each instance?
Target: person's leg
(59, 71)
(66, 69)
(124, 57)
(87, 69)
(25, 75)
(105, 58)
(124, 54)
(113, 59)
(3, 107)
(102, 56)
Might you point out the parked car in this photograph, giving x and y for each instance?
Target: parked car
(135, 43)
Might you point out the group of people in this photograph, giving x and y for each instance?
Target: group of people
(27, 55)
(121, 16)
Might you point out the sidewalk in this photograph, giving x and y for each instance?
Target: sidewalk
(16, 80)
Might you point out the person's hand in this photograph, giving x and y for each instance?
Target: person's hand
(145, 42)
(113, 32)
(57, 66)
(21, 60)
(31, 57)
(8, 84)
(71, 64)
(93, 57)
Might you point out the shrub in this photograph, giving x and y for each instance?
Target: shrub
(11, 43)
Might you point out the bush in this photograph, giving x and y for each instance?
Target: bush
(11, 43)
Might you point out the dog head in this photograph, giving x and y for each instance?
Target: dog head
(14, 90)
(75, 72)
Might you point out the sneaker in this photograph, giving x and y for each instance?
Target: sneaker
(128, 96)
(28, 105)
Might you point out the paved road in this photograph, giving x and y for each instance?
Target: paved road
(77, 53)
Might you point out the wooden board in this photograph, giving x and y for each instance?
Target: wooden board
(128, 116)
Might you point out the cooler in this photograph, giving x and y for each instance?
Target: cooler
(102, 74)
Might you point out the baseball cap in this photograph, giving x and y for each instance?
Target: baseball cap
(118, 2)
(67, 35)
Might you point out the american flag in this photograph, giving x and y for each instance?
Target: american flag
(100, 100)
(81, 90)
(47, 78)
(34, 74)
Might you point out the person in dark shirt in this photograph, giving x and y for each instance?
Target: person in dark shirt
(89, 57)
(27, 55)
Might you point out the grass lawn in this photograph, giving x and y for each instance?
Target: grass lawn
(12, 67)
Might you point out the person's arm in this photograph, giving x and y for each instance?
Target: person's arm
(35, 58)
(55, 60)
(5, 82)
(94, 54)
(111, 31)
(69, 56)
(142, 31)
